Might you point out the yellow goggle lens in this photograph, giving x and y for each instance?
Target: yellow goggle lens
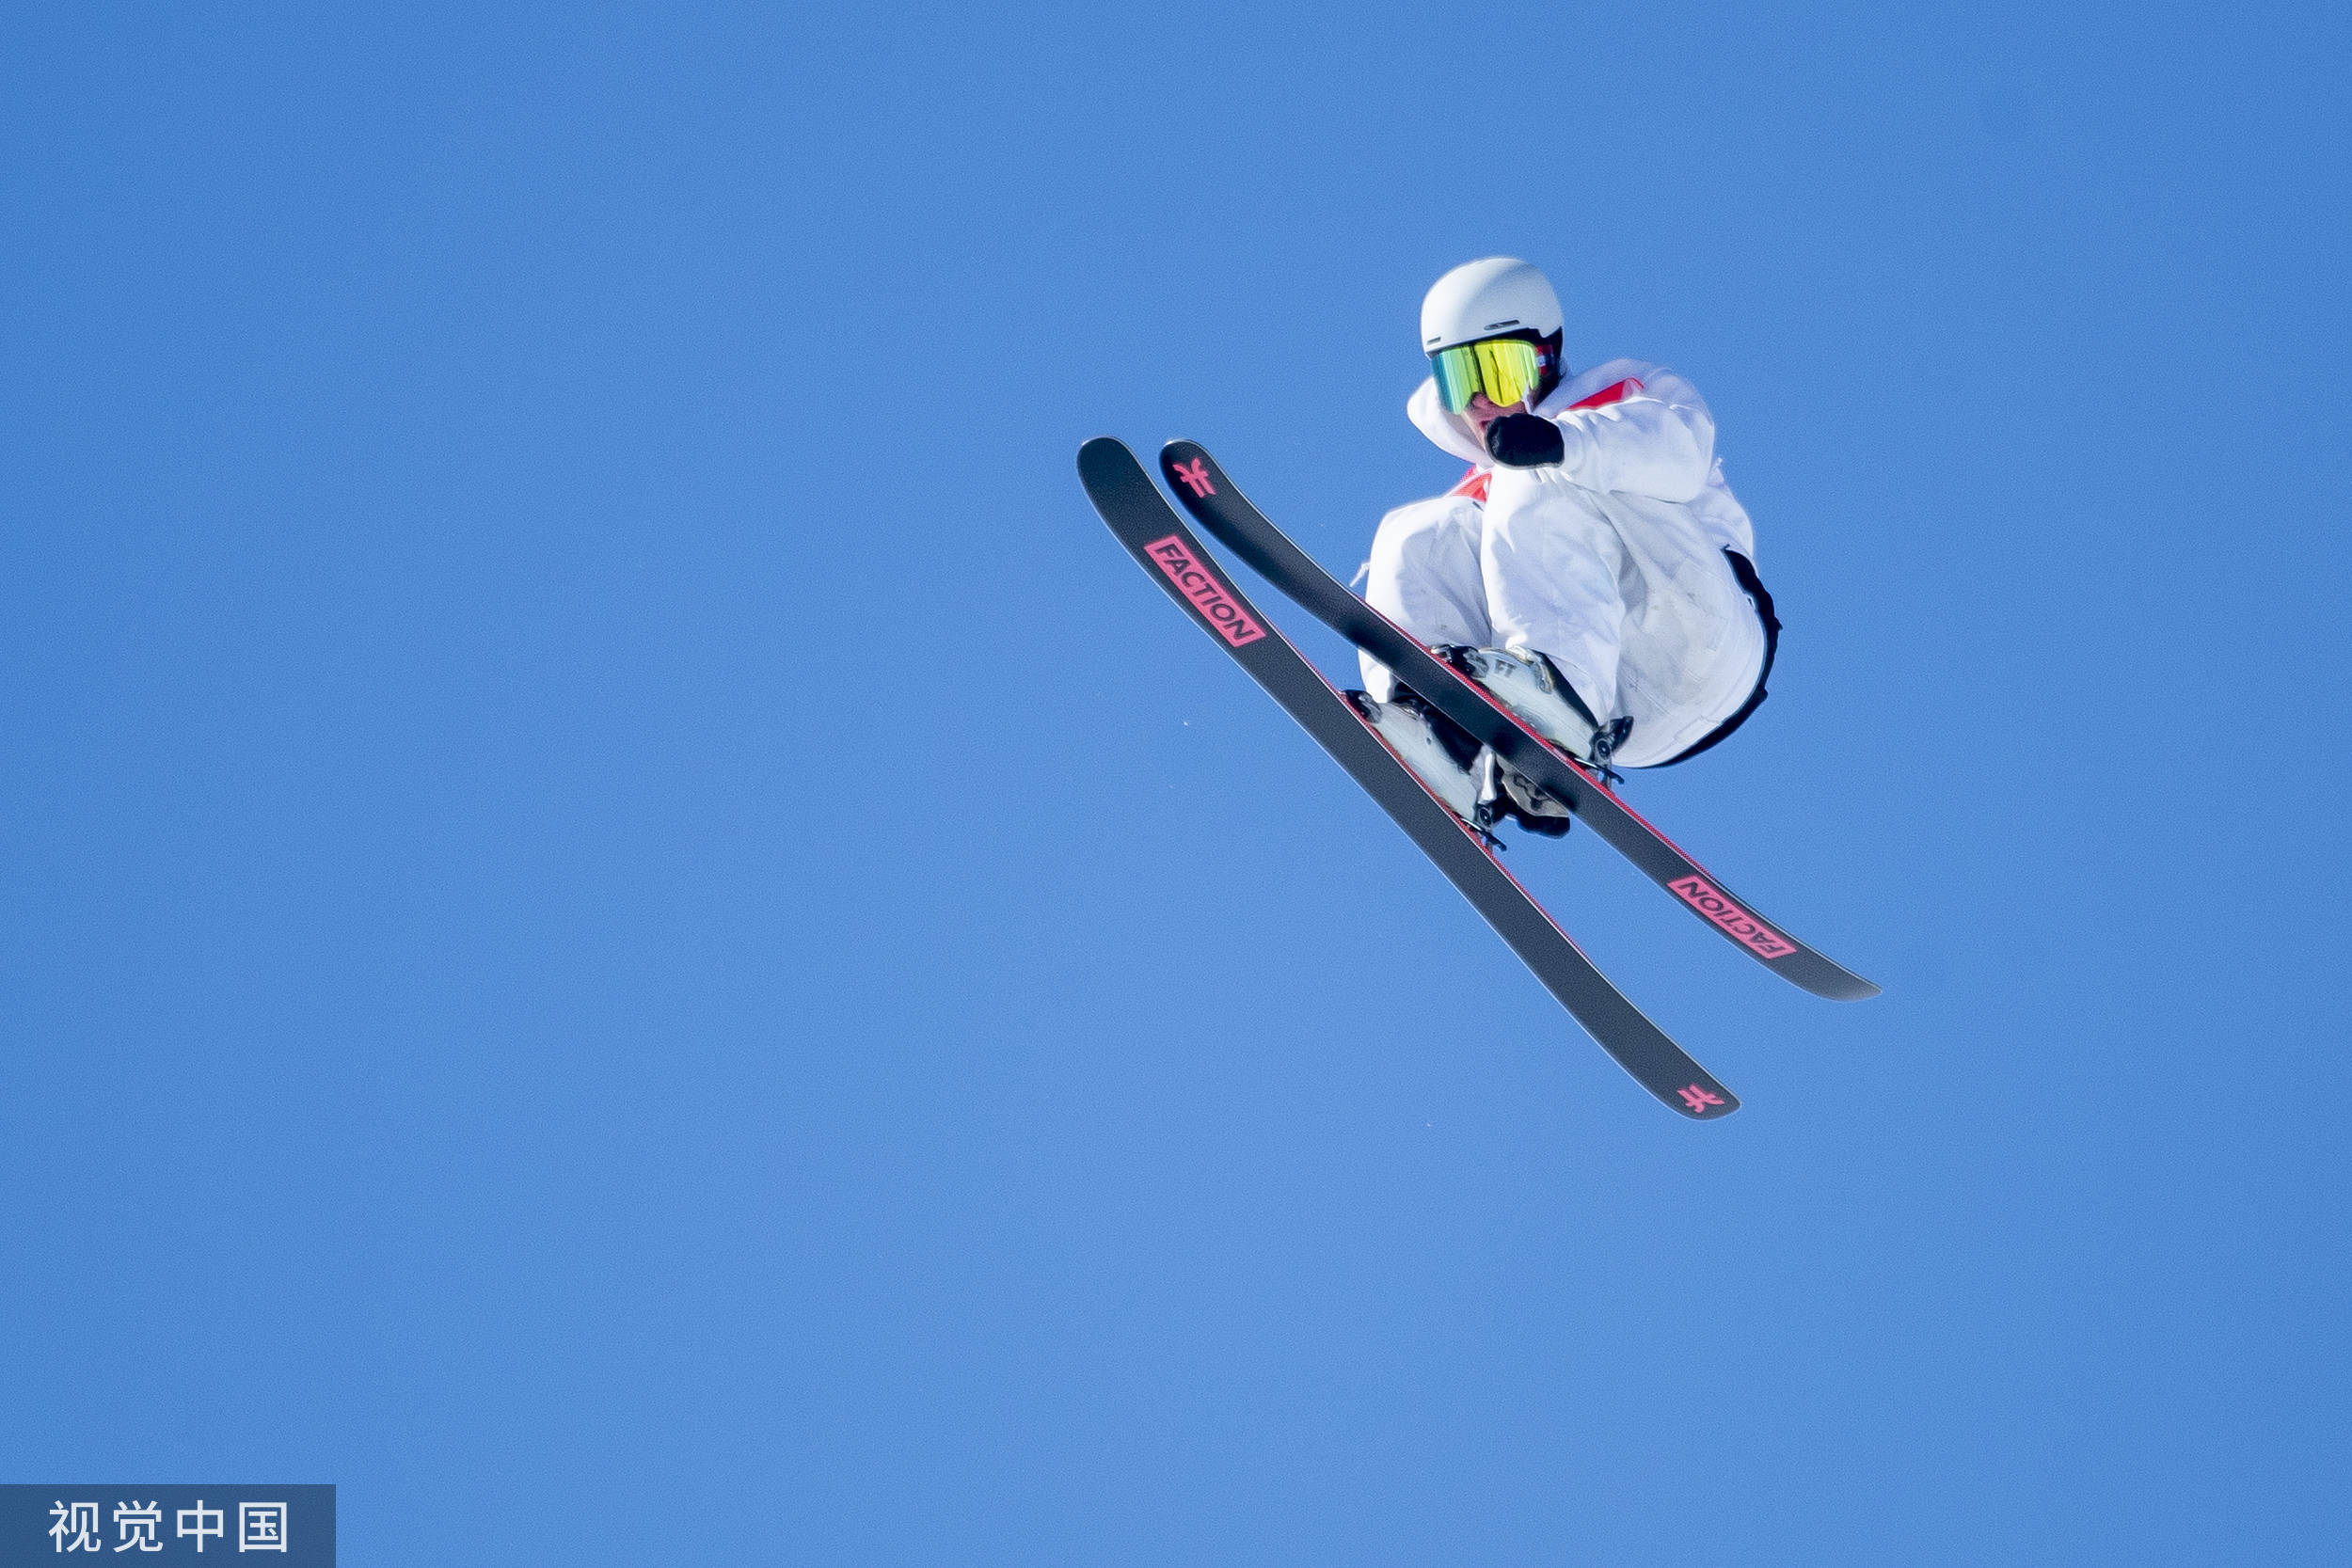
(1506, 368)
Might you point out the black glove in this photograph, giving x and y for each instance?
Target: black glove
(1525, 441)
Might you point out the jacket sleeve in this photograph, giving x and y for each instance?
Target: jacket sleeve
(1659, 441)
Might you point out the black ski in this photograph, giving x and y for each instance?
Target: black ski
(1225, 512)
(1174, 557)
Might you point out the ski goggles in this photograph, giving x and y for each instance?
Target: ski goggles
(1506, 368)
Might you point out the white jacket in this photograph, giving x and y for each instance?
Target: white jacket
(1610, 562)
(1630, 427)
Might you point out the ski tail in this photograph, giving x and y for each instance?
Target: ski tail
(1173, 557)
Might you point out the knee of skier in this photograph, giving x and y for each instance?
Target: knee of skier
(1417, 542)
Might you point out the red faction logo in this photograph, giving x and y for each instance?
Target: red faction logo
(1208, 595)
(1698, 1099)
(1710, 901)
(1195, 475)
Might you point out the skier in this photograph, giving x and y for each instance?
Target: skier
(1592, 571)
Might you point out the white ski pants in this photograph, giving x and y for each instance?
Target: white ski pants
(1632, 600)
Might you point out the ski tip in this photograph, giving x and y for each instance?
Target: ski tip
(1192, 473)
(1104, 459)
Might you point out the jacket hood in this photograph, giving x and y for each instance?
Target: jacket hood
(1451, 432)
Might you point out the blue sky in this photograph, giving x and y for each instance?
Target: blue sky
(628, 934)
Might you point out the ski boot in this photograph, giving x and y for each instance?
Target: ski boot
(1527, 684)
(1440, 753)
(1474, 784)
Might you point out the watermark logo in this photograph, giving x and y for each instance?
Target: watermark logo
(1711, 901)
(164, 1525)
(1200, 586)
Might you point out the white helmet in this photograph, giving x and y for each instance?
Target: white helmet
(1487, 299)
